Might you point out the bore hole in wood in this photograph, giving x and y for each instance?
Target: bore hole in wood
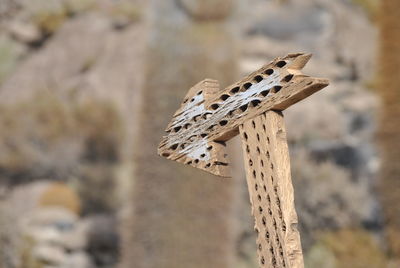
(209, 148)
(259, 197)
(196, 161)
(254, 174)
(264, 221)
(165, 154)
(253, 124)
(276, 89)
(268, 156)
(256, 187)
(269, 71)
(287, 78)
(192, 100)
(255, 103)
(268, 140)
(203, 155)
(176, 129)
(224, 97)
(235, 90)
(281, 63)
(208, 165)
(272, 165)
(264, 128)
(258, 137)
(260, 209)
(250, 162)
(200, 92)
(258, 150)
(272, 179)
(243, 107)
(247, 85)
(262, 163)
(187, 125)
(196, 117)
(247, 149)
(258, 78)
(259, 247)
(264, 93)
(262, 176)
(189, 163)
(265, 189)
(214, 106)
(269, 211)
(182, 146)
(245, 135)
(218, 163)
(223, 122)
(262, 260)
(203, 135)
(174, 147)
(267, 236)
(207, 115)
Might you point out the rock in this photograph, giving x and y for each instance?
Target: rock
(50, 254)
(77, 260)
(24, 32)
(207, 9)
(103, 244)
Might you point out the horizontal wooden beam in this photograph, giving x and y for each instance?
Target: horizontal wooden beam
(209, 116)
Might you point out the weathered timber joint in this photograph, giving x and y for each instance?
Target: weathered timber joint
(210, 116)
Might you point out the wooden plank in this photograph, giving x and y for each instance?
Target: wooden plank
(209, 116)
(267, 165)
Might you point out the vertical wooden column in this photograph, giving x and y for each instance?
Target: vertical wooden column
(268, 177)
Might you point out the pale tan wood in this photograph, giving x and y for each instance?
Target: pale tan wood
(209, 116)
(267, 164)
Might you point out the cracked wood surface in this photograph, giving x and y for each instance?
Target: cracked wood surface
(209, 116)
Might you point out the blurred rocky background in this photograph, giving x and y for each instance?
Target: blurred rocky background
(80, 185)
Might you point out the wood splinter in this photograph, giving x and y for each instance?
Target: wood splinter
(208, 117)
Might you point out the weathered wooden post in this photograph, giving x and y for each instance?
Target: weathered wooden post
(252, 107)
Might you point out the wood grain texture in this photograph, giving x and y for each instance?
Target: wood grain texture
(267, 166)
(209, 116)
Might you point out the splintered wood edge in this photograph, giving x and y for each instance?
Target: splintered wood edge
(266, 158)
(209, 116)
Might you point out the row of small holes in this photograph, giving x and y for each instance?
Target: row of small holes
(259, 198)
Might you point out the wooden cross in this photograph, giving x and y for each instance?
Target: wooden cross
(252, 107)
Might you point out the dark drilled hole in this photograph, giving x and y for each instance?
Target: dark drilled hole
(247, 85)
(189, 163)
(255, 103)
(214, 106)
(192, 100)
(264, 93)
(281, 63)
(288, 78)
(200, 92)
(223, 122)
(245, 135)
(258, 78)
(235, 90)
(203, 135)
(208, 165)
(243, 107)
(209, 148)
(276, 89)
(176, 129)
(196, 161)
(269, 71)
(203, 155)
(224, 97)
(165, 154)
(187, 125)
(218, 163)
(173, 147)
